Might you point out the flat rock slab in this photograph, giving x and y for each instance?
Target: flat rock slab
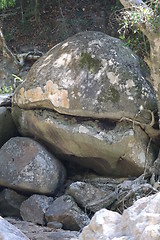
(107, 148)
(33, 231)
(75, 94)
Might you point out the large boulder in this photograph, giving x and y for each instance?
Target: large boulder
(27, 166)
(141, 221)
(72, 92)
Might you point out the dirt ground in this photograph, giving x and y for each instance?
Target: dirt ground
(56, 23)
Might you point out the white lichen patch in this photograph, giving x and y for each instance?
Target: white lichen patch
(83, 129)
(63, 60)
(58, 97)
(67, 80)
(130, 84)
(110, 62)
(113, 78)
(141, 158)
(97, 42)
(27, 174)
(64, 45)
(130, 98)
(99, 137)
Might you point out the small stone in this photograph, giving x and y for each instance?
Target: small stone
(65, 210)
(34, 208)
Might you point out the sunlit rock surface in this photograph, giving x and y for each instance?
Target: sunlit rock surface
(139, 222)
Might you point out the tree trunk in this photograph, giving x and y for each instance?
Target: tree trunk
(155, 69)
(6, 51)
(152, 32)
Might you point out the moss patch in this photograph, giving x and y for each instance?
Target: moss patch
(114, 95)
(110, 94)
(87, 61)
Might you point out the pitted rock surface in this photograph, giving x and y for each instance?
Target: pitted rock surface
(65, 210)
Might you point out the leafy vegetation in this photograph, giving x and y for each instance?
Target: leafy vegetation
(7, 3)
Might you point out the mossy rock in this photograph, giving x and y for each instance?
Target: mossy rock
(90, 75)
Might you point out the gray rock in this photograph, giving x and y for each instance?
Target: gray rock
(27, 166)
(90, 197)
(33, 209)
(8, 231)
(7, 68)
(88, 79)
(5, 99)
(54, 225)
(7, 127)
(109, 149)
(65, 210)
(10, 203)
(90, 74)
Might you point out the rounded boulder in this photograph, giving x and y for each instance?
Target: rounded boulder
(27, 166)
